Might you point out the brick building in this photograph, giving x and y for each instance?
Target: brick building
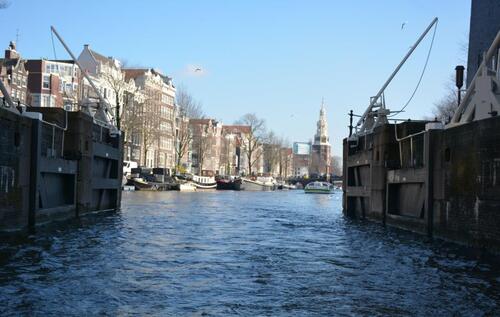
(205, 146)
(301, 160)
(234, 160)
(53, 83)
(14, 75)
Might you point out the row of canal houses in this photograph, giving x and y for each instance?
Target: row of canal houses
(143, 103)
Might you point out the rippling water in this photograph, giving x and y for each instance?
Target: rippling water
(239, 253)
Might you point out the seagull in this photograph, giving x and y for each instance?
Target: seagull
(197, 70)
(403, 24)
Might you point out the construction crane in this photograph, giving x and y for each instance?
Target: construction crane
(103, 109)
(376, 113)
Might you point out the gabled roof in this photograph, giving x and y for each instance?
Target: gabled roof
(100, 58)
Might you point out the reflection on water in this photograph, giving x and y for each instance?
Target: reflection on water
(239, 253)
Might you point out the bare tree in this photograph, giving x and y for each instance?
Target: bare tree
(183, 139)
(285, 162)
(201, 145)
(149, 125)
(118, 85)
(187, 105)
(131, 118)
(444, 109)
(252, 141)
(227, 148)
(272, 151)
(285, 157)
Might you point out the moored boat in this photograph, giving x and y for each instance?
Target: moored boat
(204, 182)
(259, 184)
(140, 183)
(229, 183)
(289, 186)
(187, 187)
(318, 188)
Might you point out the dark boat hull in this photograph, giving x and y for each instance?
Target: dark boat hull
(230, 185)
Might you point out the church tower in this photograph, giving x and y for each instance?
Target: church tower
(321, 149)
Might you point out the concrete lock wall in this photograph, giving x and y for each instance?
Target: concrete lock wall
(447, 186)
(99, 160)
(15, 149)
(467, 191)
(55, 169)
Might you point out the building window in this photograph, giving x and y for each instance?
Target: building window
(46, 82)
(45, 101)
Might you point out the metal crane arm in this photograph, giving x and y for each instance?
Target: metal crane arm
(103, 103)
(388, 81)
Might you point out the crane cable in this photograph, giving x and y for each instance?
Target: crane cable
(421, 75)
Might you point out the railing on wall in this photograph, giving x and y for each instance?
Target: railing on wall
(52, 141)
(411, 149)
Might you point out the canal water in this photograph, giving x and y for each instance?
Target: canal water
(239, 253)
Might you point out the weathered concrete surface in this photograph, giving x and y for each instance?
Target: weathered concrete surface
(99, 159)
(15, 143)
(470, 209)
(452, 191)
(55, 169)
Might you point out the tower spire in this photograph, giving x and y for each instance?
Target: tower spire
(322, 125)
(321, 149)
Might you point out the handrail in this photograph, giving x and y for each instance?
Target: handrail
(411, 136)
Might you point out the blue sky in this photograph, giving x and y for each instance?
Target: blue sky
(276, 58)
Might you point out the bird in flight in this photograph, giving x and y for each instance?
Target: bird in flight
(403, 25)
(197, 70)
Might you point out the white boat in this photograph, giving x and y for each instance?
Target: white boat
(129, 188)
(318, 188)
(187, 187)
(289, 186)
(259, 184)
(204, 182)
